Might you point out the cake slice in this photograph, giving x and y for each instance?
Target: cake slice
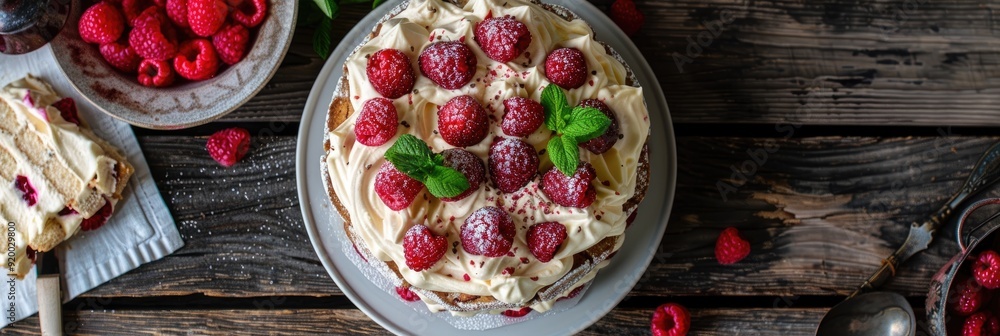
(59, 176)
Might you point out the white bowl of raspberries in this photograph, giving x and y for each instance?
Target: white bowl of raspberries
(169, 64)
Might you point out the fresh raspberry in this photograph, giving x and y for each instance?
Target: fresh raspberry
(134, 8)
(512, 162)
(463, 122)
(395, 189)
(502, 38)
(731, 247)
(516, 313)
(155, 73)
(153, 37)
(968, 296)
(448, 64)
(566, 67)
(178, 12)
(629, 18)
(196, 60)
(571, 191)
(28, 193)
(422, 249)
(99, 218)
(983, 323)
(101, 23)
(522, 116)
(206, 16)
(670, 319)
(406, 294)
(67, 110)
(469, 165)
(377, 122)
(544, 239)
(986, 269)
(250, 13)
(488, 232)
(231, 42)
(390, 72)
(229, 146)
(603, 143)
(121, 57)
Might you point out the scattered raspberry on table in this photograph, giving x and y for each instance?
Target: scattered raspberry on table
(731, 247)
(670, 319)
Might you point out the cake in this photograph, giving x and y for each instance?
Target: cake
(486, 155)
(61, 178)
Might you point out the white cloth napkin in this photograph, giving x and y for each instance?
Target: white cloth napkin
(141, 229)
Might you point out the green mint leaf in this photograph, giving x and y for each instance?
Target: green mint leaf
(564, 153)
(586, 123)
(329, 7)
(376, 3)
(446, 182)
(554, 102)
(309, 14)
(412, 157)
(321, 38)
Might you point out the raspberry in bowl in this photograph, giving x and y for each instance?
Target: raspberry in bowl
(173, 64)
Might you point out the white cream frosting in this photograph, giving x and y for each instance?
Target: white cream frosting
(64, 144)
(352, 166)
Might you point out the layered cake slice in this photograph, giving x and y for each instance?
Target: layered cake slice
(60, 178)
(486, 154)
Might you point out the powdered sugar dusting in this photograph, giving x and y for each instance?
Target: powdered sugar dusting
(488, 232)
(512, 162)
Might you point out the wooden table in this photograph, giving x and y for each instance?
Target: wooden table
(853, 104)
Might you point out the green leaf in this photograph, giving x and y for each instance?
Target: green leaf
(329, 7)
(586, 123)
(554, 102)
(376, 3)
(321, 38)
(446, 182)
(309, 15)
(564, 154)
(412, 157)
(352, 1)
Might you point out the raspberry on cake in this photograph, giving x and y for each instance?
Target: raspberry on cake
(513, 239)
(52, 197)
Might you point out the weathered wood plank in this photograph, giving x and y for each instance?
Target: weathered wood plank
(729, 322)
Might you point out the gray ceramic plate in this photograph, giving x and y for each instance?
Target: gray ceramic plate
(610, 286)
(180, 106)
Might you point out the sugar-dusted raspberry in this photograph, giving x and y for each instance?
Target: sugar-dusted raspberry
(406, 294)
(155, 73)
(178, 12)
(968, 296)
(121, 57)
(488, 232)
(448, 64)
(422, 248)
(544, 239)
(731, 247)
(231, 42)
(394, 188)
(101, 23)
(196, 60)
(512, 163)
(99, 218)
(522, 116)
(134, 8)
(250, 13)
(67, 110)
(28, 193)
(627, 16)
(377, 123)
(205, 17)
(984, 323)
(502, 38)
(571, 191)
(603, 143)
(986, 269)
(566, 67)
(153, 38)
(462, 122)
(516, 313)
(670, 319)
(470, 165)
(390, 73)
(229, 146)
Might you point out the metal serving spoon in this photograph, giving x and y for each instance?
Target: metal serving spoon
(889, 314)
(26, 25)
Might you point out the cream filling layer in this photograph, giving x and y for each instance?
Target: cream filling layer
(353, 166)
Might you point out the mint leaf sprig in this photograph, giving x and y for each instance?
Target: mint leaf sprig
(572, 125)
(412, 157)
(320, 14)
